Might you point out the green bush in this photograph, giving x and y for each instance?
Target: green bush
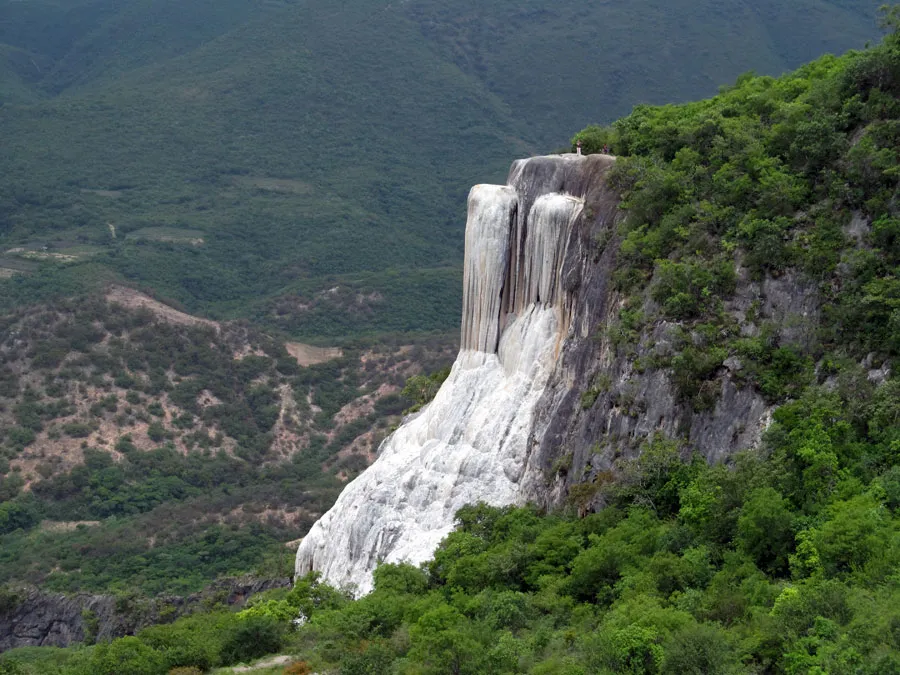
(700, 649)
(251, 638)
(765, 530)
(126, 655)
(77, 429)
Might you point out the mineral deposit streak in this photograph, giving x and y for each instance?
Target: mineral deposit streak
(471, 443)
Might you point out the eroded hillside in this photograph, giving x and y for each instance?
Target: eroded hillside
(125, 408)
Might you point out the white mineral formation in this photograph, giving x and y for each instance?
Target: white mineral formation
(471, 443)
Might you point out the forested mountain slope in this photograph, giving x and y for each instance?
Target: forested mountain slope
(782, 560)
(243, 157)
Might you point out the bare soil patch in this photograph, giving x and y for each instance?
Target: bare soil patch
(128, 297)
(309, 355)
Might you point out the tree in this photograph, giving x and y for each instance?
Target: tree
(766, 530)
(446, 642)
(127, 655)
(854, 534)
(699, 649)
(251, 638)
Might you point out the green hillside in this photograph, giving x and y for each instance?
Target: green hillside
(292, 169)
(284, 149)
(782, 561)
(559, 64)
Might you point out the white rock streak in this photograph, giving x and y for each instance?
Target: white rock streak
(471, 443)
(492, 209)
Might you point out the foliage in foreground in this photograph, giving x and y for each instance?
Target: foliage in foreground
(200, 642)
(785, 562)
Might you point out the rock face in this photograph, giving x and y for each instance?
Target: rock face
(538, 298)
(32, 618)
(472, 443)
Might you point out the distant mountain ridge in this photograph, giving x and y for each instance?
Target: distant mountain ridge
(167, 123)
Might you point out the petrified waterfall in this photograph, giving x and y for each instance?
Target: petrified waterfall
(473, 441)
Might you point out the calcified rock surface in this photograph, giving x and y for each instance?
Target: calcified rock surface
(472, 442)
(511, 424)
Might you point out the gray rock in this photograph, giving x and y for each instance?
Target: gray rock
(38, 619)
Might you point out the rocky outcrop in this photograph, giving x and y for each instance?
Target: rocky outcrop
(33, 618)
(471, 443)
(630, 399)
(538, 383)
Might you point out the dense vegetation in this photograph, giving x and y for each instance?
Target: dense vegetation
(793, 178)
(783, 563)
(246, 157)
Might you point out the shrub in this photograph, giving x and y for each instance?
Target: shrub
(421, 389)
(687, 290)
(156, 432)
(633, 649)
(765, 529)
(251, 638)
(11, 667)
(77, 429)
(376, 659)
(127, 655)
(692, 369)
(699, 649)
(9, 600)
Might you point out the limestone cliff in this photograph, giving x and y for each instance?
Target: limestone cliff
(539, 398)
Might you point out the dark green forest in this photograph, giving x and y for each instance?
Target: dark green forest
(244, 158)
(782, 560)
